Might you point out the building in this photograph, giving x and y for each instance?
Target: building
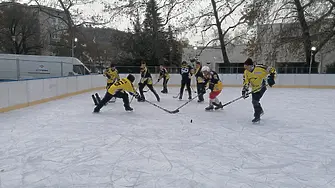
(50, 25)
(280, 45)
(212, 56)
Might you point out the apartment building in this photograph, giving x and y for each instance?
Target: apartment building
(50, 25)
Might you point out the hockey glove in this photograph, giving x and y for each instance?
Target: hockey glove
(271, 80)
(245, 92)
(108, 76)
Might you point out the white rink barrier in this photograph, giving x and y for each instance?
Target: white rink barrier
(20, 94)
(319, 81)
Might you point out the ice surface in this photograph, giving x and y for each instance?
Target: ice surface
(62, 144)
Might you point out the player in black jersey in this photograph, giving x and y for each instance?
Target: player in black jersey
(186, 72)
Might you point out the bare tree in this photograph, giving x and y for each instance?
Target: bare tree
(221, 17)
(315, 20)
(72, 16)
(170, 10)
(19, 30)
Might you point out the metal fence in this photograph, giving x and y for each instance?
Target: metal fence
(280, 70)
(19, 70)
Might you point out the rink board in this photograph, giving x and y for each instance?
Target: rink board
(20, 94)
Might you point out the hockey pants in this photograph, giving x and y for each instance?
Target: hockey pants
(108, 96)
(150, 86)
(256, 97)
(201, 89)
(188, 86)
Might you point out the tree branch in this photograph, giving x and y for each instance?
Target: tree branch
(208, 43)
(231, 11)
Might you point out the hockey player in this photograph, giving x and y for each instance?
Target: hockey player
(201, 85)
(163, 73)
(119, 89)
(186, 72)
(112, 75)
(146, 80)
(256, 75)
(215, 85)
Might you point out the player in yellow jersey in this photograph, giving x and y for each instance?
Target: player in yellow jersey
(215, 85)
(201, 84)
(146, 80)
(163, 74)
(119, 89)
(112, 75)
(256, 77)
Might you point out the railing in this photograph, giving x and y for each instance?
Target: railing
(21, 71)
(281, 70)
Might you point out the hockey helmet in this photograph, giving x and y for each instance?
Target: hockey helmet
(249, 62)
(131, 77)
(205, 69)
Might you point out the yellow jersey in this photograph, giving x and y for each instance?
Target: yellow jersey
(164, 73)
(199, 76)
(122, 85)
(145, 75)
(112, 75)
(257, 78)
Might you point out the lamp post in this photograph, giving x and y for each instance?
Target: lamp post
(75, 40)
(14, 40)
(195, 51)
(313, 49)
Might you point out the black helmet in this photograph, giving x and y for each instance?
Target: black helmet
(249, 62)
(131, 77)
(112, 65)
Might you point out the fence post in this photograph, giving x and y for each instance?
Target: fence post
(61, 69)
(18, 68)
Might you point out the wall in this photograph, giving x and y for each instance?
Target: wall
(20, 94)
(282, 81)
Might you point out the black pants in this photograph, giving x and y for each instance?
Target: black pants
(165, 81)
(108, 97)
(151, 88)
(256, 97)
(201, 89)
(186, 82)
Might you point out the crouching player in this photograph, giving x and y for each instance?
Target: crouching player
(118, 90)
(256, 76)
(215, 85)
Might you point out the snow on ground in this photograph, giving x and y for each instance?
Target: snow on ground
(62, 144)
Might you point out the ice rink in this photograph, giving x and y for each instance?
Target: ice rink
(63, 144)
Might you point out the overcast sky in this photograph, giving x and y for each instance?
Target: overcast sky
(123, 22)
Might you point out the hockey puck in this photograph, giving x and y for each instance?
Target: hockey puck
(191, 121)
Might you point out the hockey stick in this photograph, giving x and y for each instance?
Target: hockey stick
(176, 96)
(193, 90)
(177, 109)
(152, 86)
(166, 110)
(241, 97)
(94, 100)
